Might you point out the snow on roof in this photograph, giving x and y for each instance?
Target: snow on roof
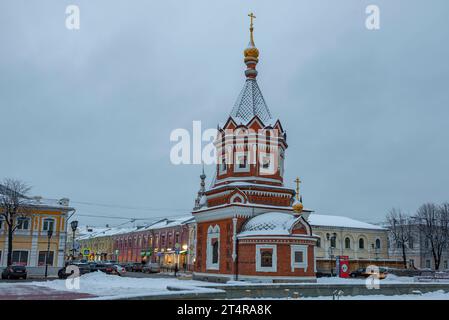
(270, 223)
(170, 222)
(339, 221)
(97, 232)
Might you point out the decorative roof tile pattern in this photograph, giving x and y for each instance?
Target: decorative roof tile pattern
(270, 223)
(250, 103)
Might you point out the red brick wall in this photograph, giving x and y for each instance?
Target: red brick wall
(247, 261)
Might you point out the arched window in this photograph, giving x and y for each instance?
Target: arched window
(347, 243)
(215, 252)
(266, 258)
(377, 243)
(333, 241)
(213, 248)
(361, 243)
(318, 242)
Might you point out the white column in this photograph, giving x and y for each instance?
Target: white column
(32, 262)
(234, 239)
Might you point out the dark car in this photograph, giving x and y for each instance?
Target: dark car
(152, 268)
(134, 267)
(66, 271)
(107, 268)
(380, 273)
(14, 272)
(137, 267)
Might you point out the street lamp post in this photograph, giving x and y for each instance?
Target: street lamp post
(331, 250)
(74, 225)
(49, 235)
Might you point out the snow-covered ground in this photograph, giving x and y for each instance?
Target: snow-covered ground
(111, 286)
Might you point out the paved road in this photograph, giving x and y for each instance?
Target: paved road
(30, 292)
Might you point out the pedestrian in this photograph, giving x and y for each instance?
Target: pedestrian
(176, 269)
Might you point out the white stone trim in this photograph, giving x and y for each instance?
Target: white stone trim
(237, 196)
(298, 265)
(259, 267)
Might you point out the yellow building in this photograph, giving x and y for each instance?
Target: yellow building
(30, 241)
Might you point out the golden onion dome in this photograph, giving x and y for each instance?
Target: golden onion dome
(251, 52)
(297, 206)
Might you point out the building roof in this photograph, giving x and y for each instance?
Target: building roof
(250, 103)
(270, 223)
(36, 201)
(320, 220)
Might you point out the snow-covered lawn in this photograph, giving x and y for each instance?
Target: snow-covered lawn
(111, 286)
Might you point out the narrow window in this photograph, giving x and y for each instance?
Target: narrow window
(361, 244)
(348, 243)
(215, 252)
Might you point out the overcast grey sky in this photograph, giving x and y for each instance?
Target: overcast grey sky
(87, 114)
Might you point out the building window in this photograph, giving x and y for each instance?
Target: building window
(410, 242)
(215, 251)
(23, 223)
(48, 224)
(298, 257)
(377, 243)
(177, 237)
(361, 243)
(318, 242)
(428, 264)
(333, 242)
(267, 164)
(241, 162)
(347, 243)
(213, 248)
(223, 166)
(266, 258)
(20, 257)
(43, 258)
(444, 263)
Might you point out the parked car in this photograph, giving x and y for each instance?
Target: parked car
(82, 267)
(105, 267)
(119, 269)
(14, 272)
(381, 273)
(152, 268)
(134, 267)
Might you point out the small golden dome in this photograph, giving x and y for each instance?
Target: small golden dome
(252, 52)
(297, 206)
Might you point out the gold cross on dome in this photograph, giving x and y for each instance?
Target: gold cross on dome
(251, 16)
(298, 182)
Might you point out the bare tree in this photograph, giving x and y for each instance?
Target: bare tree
(400, 229)
(14, 203)
(433, 223)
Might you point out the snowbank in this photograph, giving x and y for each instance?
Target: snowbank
(104, 285)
